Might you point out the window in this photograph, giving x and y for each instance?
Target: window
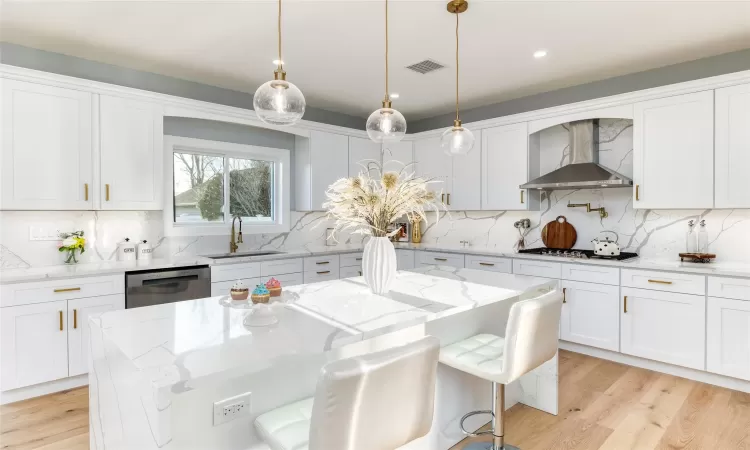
(212, 182)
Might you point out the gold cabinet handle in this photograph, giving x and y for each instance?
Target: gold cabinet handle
(637, 196)
(565, 300)
(106, 192)
(625, 304)
(358, 259)
(442, 198)
(360, 273)
(75, 319)
(440, 259)
(61, 321)
(324, 272)
(521, 196)
(67, 289)
(448, 197)
(320, 263)
(86, 191)
(486, 264)
(659, 282)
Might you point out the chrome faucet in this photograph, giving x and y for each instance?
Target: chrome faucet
(232, 243)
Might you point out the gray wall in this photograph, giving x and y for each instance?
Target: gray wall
(692, 70)
(17, 55)
(227, 132)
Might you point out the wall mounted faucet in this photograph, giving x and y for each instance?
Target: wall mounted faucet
(602, 212)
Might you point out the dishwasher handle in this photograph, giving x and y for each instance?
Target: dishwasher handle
(169, 281)
(163, 277)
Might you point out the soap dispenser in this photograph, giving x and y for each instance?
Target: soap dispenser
(703, 238)
(691, 244)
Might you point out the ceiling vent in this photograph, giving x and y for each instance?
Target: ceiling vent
(425, 66)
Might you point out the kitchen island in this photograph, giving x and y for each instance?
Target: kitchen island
(157, 371)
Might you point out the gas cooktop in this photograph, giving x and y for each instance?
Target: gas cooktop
(576, 254)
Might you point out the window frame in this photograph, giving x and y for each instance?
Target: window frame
(281, 205)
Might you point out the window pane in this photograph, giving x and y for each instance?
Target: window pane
(198, 188)
(251, 189)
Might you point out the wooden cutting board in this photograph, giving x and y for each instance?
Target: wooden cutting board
(559, 234)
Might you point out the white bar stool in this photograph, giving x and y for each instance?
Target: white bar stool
(530, 341)
(373, 402)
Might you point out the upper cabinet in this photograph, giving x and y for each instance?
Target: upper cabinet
(46, 147)
(398, 155)
(131, 154)
(505, 166)
(320, 160)
(673, 156)
(460, 175)
(361, 152)
(733, 147)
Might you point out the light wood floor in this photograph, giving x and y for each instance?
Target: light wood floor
(603, 405)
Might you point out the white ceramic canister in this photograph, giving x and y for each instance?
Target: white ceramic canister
(144, 251)
(126, 250)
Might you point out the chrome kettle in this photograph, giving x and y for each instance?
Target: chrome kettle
(606, 247)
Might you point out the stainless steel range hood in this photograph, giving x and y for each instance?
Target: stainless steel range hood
(584, 171)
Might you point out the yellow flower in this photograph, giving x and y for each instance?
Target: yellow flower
(390, 179)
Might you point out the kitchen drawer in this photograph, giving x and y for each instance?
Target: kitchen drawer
(591, 274)
(405, 259)
(286, 279)
(491, 263)
(350, 272)
(664, 281)
(234, 272)
(54, 290)
(537, 268)
(737, 288)
(321, 263)
(324, 273)
(223, 287)
(279, 266)
(441, 259)
(350, 260)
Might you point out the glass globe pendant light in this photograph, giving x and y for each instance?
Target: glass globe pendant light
(279, 102)
(386, 125)
(457, 140)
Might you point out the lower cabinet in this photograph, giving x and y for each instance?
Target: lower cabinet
(404, 259)
(79, 311)
(350, 272)
(664, 326)
(224, 287)
(591, 314)
(728, 331)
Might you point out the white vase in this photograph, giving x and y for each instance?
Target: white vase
(379, 264)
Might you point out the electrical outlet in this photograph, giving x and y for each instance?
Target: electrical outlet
(232, 408)
(44, 233)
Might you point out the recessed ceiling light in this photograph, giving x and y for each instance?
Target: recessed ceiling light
(540, 54)
(276, 62)
(395, 95)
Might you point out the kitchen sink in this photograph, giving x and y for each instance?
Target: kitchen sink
(243, 255)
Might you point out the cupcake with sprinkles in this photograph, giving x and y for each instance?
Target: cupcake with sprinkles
(274, 287)
(260, 294)
(239, 291)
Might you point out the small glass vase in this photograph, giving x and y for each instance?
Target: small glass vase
(71, 256)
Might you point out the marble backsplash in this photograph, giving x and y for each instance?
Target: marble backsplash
(657, 234)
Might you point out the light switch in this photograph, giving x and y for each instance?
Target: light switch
(44, 233)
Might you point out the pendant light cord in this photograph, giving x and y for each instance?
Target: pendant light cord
(281, 61)
(387, 97)
(457, 66)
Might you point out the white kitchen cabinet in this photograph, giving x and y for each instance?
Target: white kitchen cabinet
(79, 310)
(505, 166)
(673, 157)
(460, 175)
(350, 272)
(591, 314)
(398, 155)
(664, 326)
(320, 160)
(489, 263)
(361, 152)
(728, 337)
(46, 147)
(131, 159)
(33, 344)
(733, 147)
(220, 288)
(404, 259)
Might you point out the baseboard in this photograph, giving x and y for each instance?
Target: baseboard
(656, 366)
(37, 390)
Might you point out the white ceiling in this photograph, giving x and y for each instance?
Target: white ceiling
(334, 49)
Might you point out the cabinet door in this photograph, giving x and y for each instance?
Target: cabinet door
(505, 166)
(329, 161)
(432, 163)
(131, 154)
(591, 315)
(33, 344)
(673, 156)
(466, 189)
(398, 155)
(728, 331)
(46, 147)
(733, 147)
(664, 326)
(79, 311)
(404, 259)
(361, 152)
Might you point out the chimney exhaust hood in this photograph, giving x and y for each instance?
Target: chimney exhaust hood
(584, 171)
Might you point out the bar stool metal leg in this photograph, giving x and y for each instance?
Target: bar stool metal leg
(498, 424)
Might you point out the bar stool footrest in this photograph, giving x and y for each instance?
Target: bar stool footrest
(480, 433)
(486, 446)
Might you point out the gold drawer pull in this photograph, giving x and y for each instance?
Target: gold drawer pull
(75, 319)
(521, 196)
(61, 321)
(86, 191)
(625, 304)
(659, 281)
(358, 259)
(564, 299)
(448, 197)
(637, 196)
(440, 259)
(68, 289)
(442, 198)
(360, 273)
(486, 264)
(320, 263)
(324, 272)
(106, 192)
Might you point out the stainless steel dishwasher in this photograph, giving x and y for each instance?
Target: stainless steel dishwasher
(155, 287)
